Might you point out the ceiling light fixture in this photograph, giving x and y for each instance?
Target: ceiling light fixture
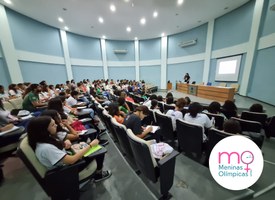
(136, 38)
(8, 1)
(163, 34)
(112, 8)
(180, 2)
(101, 20)
(155, 14)
(60, 19)
(103, 37)
(128, 29)
(66, 28)
(143, 21)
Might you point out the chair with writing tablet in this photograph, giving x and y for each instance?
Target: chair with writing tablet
(59, 183)
(162, 170)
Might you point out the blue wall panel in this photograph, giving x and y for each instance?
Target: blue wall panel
(35, 72)
(268, 26)
(87, 72)
(233, 28)
(150, 49)
(4, 74)
(262, 86)
(199, 33)
(212, 72)
(33, 36)
(176, 72)
(116, 73)
(150, 74)
(83, 47)
(128, 45)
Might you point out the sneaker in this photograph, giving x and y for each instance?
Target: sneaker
(104, 175)
(103, 142)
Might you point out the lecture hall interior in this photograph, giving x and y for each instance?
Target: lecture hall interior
(134, 55)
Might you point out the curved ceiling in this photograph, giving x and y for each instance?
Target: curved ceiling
(82, 16)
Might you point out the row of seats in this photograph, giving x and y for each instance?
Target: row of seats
(139, 153)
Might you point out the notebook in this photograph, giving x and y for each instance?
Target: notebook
(155, 128)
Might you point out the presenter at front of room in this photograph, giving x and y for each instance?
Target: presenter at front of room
(186, 78)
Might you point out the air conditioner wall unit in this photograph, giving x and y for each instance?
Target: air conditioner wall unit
(120, 51)
(188, 43)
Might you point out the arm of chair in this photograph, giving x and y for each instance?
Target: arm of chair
(63, 182)
(167, 171)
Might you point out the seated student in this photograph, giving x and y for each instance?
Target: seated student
(31, 100)
(256, 107)
(148, 101)
(42, 135)
(3, 94)
(123, 105)
(126, 97)
(229, 109)
(188, 102)
(14, 92)
(154, 106)
(195, 116)
(170, 100)
(232, 126)
(133, 122)
(64, 130)
(215, 108)
(176, 113)
(116, 113)
(72, 102)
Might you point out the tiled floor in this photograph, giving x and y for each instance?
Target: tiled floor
(192, 181)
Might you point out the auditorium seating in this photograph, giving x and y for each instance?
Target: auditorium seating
(190, 139)
(162, 170)
(218, 119)
(166, 128)
(254, 116)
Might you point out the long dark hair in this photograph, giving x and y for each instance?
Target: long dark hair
(54, 115)
(56, 104)
(38, 132)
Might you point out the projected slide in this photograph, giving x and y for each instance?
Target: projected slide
(228, 68)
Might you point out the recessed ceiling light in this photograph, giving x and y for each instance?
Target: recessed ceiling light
(143, 20)
(60, 19)
(128, 29)
(103, 36)
(100, 19)
(155, 14)
(66, 28)
(180, 2)
(127, 1)
(136, 38)
(163, 34)
(8, 1)
(112, 8)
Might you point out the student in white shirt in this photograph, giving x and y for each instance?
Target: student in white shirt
(195, 116)
(176, 113)
(50, 152)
